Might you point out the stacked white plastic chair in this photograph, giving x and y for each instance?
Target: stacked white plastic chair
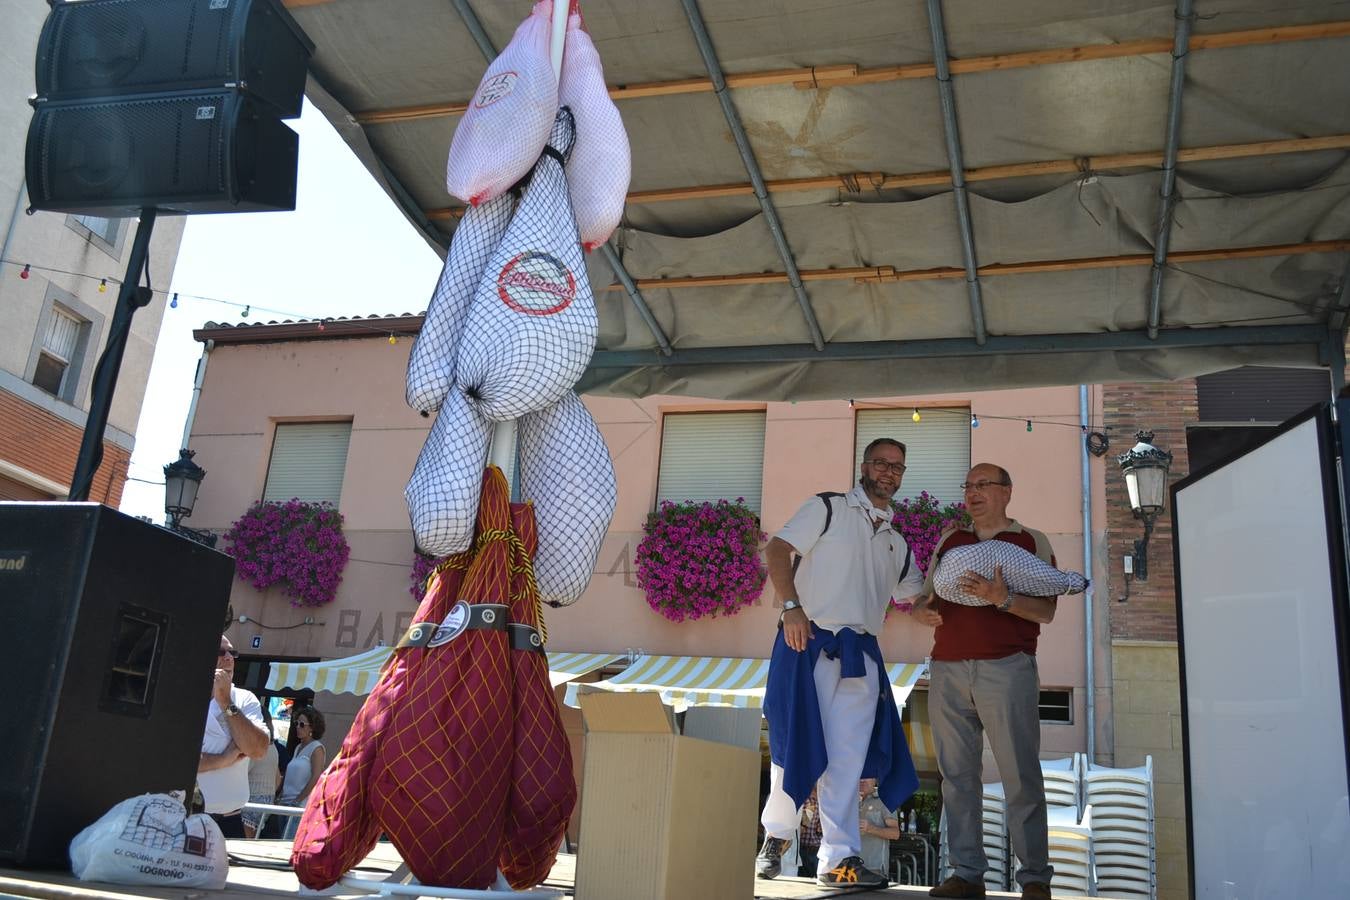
(1063, 779)
(995, 818)
(1122, 830)
(1071, 852)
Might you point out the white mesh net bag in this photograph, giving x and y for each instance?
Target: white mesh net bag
(431, 367)
(532, 325)
(565, 470)
(1025, 573)
(509, 117)
(599, 170)
(447, 480)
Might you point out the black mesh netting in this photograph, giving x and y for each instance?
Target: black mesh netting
(447, 480)
(1025, 573)
(566, 471)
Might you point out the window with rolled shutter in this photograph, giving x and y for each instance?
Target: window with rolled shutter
(937, 447)
(712, 456)
(308, 459)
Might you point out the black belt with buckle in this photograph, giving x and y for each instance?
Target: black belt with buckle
(482, 616)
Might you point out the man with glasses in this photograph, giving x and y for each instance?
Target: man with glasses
(982, 678)
(828, 703)
(234, 734)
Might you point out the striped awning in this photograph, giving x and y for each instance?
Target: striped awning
(684, 681)
(358, 674)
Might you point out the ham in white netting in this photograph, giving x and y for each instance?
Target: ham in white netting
(599, 170)
(447, 481)
(566, 471)
(508, 120)
(532, 325)
(1026, 573)
(431, 367)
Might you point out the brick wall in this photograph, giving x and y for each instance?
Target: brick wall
(1165, 408)
(47, 445)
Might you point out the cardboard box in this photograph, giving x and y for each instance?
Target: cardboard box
(663, 816)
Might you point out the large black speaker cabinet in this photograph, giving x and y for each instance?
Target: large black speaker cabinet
(185, 152)
(113, 627)
(100, 48)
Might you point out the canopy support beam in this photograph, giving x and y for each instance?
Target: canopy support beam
(947, 348)
(1185, 15)
(766, 206)
(480, 37)
(958, 169)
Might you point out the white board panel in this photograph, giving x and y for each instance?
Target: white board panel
(1270, 814)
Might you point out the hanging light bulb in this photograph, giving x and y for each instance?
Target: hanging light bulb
(916, 417)
(173, 304)
(1028, 424)
(850, 403)
(321, 325)
(392, 340)
(974, 421)
(103, 286)
(24, 273)
(247, 308)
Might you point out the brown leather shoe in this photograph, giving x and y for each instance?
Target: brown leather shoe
(1036, 890)
(957, 886)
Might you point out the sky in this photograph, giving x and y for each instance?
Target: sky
(345, 251)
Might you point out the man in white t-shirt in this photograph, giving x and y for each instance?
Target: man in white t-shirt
(234, 734)
(831, 716)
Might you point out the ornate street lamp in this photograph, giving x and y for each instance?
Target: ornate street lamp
(1145, 469)
(182, 478)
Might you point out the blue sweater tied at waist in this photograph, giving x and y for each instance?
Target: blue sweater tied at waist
(796, 735)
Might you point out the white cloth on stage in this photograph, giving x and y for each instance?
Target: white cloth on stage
(848, 708)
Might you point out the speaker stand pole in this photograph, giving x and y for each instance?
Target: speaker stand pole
(130, 298)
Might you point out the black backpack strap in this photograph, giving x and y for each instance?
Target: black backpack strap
(825, 497)
(909, 555)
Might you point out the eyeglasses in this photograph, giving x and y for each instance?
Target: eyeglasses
(893, 468)
(231, 653)
(301, 724)
(982, 485)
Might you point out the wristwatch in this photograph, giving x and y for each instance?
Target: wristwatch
(787, 605)
(1007, 603)
(231, 710)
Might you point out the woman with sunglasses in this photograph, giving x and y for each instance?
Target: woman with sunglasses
(307, 763)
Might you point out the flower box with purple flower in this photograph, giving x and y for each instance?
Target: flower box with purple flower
(296, 544)
(921, 521)
(699, 560)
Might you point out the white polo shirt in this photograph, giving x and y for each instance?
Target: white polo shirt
(850, 573)
(226, 790)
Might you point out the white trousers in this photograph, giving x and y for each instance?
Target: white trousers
(848, 709)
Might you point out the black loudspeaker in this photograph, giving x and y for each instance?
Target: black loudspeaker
(114, 625)
(101, 48)
(171, 104)
(185, 152)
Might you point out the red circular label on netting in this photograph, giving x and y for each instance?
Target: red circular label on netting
(536, 284)
(495, 88)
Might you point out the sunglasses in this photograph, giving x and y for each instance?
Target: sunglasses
(302, 724)
(231, 653)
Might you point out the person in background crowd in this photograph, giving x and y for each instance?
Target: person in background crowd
(827, 701)
(808, 837)
(234, 735)
(263, 779)
(878, 825)
(983, 678)
(307, 763)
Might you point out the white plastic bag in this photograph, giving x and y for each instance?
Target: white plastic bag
(447, 480)
(152, 840)
(599, 170)
(1025, 573)
(532, 326)
(508, 120)
(431, 366)
(566, 472)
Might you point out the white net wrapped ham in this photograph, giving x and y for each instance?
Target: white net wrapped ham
(599, 170)
(431, 367)
(565, 470)
(1025, 573)
(500, 135)
(532, 326)
(447, 480)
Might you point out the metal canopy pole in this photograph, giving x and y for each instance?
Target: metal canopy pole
(611, 256)
(130, 297)
(766, 206)
(957, 164)
(1181, 43)
(947, 348)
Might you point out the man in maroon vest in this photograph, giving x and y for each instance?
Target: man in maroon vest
(983, 678)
